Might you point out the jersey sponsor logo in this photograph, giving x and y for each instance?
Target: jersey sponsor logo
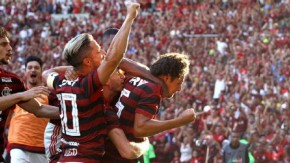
(6, 80)
(70, 143)
(6, 91)
(70, 152)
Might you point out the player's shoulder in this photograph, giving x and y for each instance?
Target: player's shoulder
(9, 77)
(54, 78)
(149, 86)
(7, 74)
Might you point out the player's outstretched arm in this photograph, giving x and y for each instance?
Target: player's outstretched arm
(118, 45)
(40, 110)
(144, 126)
(10, 100)
(128, 150)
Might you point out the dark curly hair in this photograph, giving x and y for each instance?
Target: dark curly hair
(173, 64)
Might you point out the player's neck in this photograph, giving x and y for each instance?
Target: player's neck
(82, 70)
(164, 92)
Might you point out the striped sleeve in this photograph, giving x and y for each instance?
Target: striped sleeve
(149, 103)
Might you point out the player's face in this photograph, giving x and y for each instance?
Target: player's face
(116, 81)
(97, 53)
(33, 73)
(235, 139)
(174, 85)
(5, 51)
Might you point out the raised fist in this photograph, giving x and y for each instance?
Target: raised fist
(132, 9)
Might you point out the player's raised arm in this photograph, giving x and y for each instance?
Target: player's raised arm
(118, 45)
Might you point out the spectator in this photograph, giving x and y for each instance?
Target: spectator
(234, 151)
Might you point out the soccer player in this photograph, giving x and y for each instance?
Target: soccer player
(111, 91)
(52, 134)
(13, 91)
(82, 106)
(140, 99)
(24, 126)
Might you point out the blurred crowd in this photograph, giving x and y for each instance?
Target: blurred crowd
(240, 64)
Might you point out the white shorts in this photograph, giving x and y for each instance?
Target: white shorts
(52, 136)
(20, 156)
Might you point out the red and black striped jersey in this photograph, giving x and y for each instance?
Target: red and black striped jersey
(9, 84)
(82, 115)
(52, 100)
(138, 96)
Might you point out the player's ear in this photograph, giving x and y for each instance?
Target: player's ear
(87, 61)
(166, 77)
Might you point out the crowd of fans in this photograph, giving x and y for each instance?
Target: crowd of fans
(240, 64)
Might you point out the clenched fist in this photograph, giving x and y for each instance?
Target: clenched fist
(188, 115)
(132, 9)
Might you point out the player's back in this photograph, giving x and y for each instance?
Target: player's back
(82, 116)
(138, 96)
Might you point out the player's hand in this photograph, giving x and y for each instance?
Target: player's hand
(70, 74)
(132, 9)
(188, 115)
(136, 150)
(34, 92)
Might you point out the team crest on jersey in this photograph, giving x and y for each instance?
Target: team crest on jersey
(6, 91)
(6, 80)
